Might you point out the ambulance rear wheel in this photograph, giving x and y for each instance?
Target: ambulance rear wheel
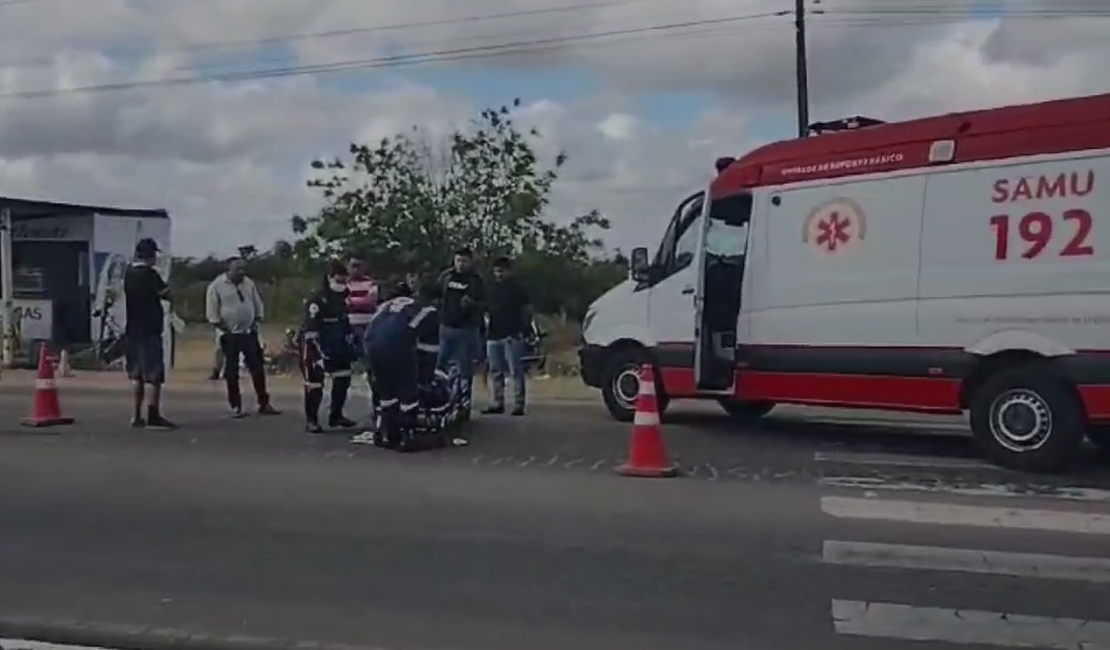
(621, 384)
(1027, 418)
(745, 411)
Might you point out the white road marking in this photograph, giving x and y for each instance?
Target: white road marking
(1066, 493)
(937, 558)
(20, 644)
(909, 623)
(899, 460)
(949, 514)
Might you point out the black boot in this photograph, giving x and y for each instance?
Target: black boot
(340, 387)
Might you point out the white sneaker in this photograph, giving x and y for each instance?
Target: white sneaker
(364, 438)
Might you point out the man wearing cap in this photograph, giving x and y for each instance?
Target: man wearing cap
(144, 289)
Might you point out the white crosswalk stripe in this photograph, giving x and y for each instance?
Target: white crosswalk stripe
(955, 514)
(20, 644)
(939, 558)
(867, 464)
(909, 623)
(1075, 516)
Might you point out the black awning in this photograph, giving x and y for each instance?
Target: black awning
(30, 209)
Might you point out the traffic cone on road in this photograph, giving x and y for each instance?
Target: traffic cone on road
(647, 456)
(47, 410)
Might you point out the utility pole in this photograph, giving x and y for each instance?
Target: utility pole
(7, 293)
(801, 64)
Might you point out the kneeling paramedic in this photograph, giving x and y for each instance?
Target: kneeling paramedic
(392, 345)
(327, 349)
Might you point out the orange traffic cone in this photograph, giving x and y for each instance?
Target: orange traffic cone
(647, 457)
(47, 410)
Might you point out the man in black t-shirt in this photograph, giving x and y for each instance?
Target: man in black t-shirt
(509, 322)
(144, 290)
(462, 303)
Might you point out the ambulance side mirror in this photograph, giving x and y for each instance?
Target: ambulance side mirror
(638, 264)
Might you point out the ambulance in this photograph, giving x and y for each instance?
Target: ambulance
(952, 264)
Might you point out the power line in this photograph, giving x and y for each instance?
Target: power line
(255, 43)
(537, 45)
(284, 39)
(612, 37)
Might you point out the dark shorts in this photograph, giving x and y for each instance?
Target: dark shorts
(144, 358)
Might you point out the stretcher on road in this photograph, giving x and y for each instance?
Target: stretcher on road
(445, 405)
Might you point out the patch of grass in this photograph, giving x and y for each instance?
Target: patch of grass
(195, 350)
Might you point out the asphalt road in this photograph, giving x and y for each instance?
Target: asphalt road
(811, 530)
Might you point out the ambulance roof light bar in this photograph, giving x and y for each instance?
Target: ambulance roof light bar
(844, 124)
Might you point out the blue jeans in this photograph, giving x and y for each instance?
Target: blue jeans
(460, 346)
(506, 356)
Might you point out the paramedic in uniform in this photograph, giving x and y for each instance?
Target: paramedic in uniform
(327, 348)
(427, 336)
(393, 344)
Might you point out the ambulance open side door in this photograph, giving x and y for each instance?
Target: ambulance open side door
(721, 257)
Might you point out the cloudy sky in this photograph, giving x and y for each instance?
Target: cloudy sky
(188, 104)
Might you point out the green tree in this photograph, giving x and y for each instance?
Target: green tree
(406, 202)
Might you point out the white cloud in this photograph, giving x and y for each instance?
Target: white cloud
(229, 159)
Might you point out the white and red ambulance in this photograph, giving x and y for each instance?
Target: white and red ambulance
(941, 265)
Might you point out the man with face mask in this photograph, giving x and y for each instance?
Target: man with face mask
(327, 349)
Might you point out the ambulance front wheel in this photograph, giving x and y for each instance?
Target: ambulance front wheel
(1027, 418)
(1100, 437)
(745, 411)
(621, 383)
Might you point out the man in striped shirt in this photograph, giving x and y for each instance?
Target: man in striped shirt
(362, 303)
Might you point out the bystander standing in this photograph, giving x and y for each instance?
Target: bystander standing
(144, 290)
(462, 304)
(509, 323)
(234, 306)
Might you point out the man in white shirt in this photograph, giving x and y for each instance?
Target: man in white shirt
(234, 306)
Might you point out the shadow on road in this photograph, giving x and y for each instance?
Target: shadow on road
(944, 438)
